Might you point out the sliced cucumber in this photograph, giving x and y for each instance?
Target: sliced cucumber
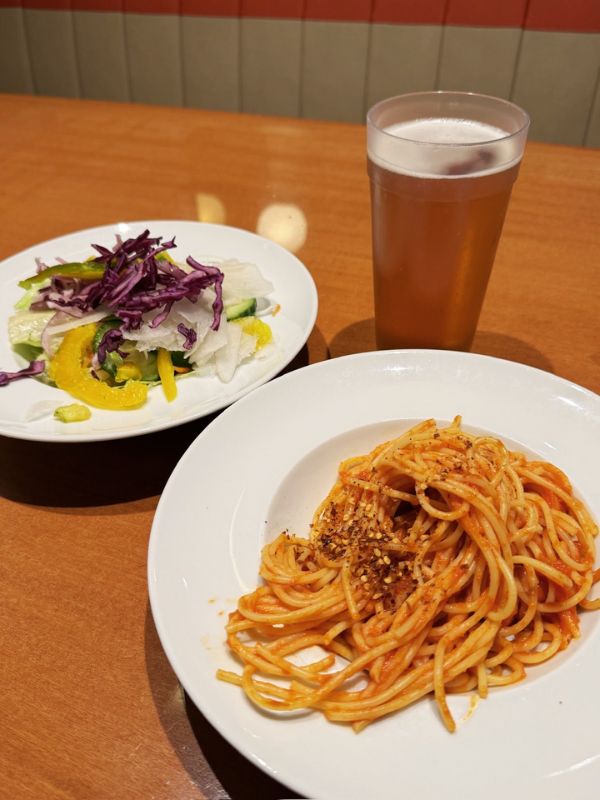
(245, 308)
(179, 359)
(72, 413)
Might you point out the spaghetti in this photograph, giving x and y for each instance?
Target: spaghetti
(439, 563)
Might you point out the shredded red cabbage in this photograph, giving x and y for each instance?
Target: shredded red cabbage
(134, 283)
(109, 344)
(34, 368)
(189, 334)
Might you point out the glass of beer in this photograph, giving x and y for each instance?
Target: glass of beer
(441, 167)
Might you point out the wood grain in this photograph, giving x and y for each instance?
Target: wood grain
(90, 707)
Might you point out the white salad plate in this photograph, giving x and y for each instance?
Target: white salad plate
(27, 405)
(278, 451)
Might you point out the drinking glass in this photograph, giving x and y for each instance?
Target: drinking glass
(441, 167)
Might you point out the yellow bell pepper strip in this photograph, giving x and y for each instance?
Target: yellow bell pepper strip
(88, 271)
(164, 365)
(128, 372)
(257, 328)
(70, 371)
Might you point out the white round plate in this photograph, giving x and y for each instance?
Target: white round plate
(27, 406)
(278, 452)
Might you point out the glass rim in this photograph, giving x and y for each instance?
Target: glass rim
(447, 92)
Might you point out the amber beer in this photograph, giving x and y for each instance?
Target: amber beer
(442, 166)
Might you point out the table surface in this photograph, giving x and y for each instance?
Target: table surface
(90, 705)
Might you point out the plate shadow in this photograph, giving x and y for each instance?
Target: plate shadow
(360, 338)
(93, 474)
(211, 762)
(356, 338)
(501, 345)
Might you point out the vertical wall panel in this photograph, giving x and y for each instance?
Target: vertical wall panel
(15, 70)
(261, 56)
(211, 70)
(100, 45)
(479, 59)
(334, 70)
(154, 58)
(592, 138)
(271, 56)
(555, 83)
(402, 58)
(51, 45)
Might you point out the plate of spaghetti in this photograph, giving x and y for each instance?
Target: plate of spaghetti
(389, 578)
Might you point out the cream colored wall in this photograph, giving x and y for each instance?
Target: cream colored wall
(327, 70)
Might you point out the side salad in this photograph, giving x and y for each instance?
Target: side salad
(108, 328)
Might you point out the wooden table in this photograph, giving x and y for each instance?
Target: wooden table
(89, 706)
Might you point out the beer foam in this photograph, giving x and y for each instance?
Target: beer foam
(445, 130)
(443, 147)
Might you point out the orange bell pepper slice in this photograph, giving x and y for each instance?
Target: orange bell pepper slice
(69, 369)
